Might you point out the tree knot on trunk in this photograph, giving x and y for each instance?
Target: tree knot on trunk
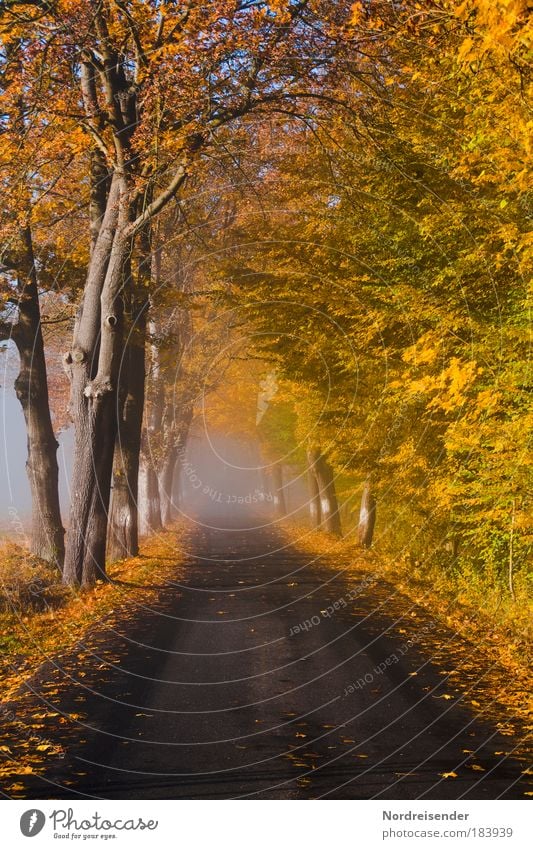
(66, 360)
(111, 321)
(22, 388)
(98, 389)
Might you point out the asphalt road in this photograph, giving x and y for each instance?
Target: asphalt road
(265, 675)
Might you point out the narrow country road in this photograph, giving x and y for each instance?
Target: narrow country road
(265, 675)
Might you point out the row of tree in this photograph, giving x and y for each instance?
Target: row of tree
(340, 187)
(385, 267)
(109, 109)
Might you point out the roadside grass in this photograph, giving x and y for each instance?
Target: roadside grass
(41, 618)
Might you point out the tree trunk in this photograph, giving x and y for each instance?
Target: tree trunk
(123, 534)
(94, 361)
(149, 496)
(367, 517)
(31, 386)
(315, 510)
(149, 501)
(331, 520)
(330, 517)
(176, 435)
(166, 484)
(279, 494)
(93, 364)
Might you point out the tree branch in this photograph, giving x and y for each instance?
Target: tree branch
(160, 201)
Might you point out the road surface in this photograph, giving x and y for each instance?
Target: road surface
(266, 674)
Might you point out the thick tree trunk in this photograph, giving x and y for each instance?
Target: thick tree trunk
(94, 361)
(330, 517)
(279, 493)
(31, 386)
(93, 364)
(367, 517)
(123, 534)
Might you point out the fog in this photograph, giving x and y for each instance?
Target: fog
(15, 503)
(223, 481)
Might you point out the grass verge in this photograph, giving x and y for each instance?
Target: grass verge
(41, 618)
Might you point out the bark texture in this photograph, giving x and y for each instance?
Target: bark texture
(93, 365)
(123, 534)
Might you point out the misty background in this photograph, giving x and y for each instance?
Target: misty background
(221, 478)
